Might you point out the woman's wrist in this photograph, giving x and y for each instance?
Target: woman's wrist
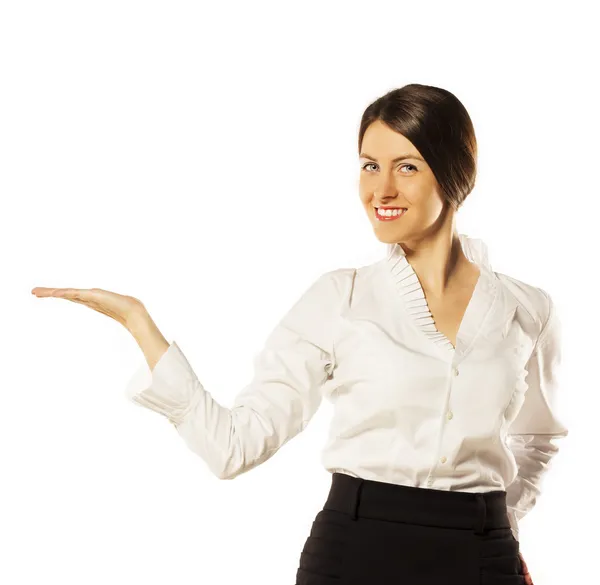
(147, 335)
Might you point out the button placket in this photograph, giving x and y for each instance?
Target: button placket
(449, 416)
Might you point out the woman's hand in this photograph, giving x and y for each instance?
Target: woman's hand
(526, 573)
(128, 311)
(121, 308)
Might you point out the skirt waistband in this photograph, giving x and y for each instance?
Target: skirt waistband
(365, 498)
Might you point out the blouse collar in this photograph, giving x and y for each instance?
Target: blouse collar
(474, 249)
(410, 291)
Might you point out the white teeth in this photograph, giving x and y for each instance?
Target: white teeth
(391, 212)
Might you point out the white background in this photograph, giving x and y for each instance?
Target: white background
(203, 157)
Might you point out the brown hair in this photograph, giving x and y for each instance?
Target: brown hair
(438, 124)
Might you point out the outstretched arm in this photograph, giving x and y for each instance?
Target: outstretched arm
(282, 397)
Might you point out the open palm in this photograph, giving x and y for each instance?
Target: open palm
(118, 307)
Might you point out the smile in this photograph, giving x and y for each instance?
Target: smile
(389, 214)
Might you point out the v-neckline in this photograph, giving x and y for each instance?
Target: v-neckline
(465, 315)
(409, 289)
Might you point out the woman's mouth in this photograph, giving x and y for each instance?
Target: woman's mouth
(389, 214)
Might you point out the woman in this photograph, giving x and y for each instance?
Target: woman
(442, 372)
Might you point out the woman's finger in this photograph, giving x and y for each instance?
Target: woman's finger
(69, 293)
(84, 296)
(44, 291)
(73, 294)
(526, 574)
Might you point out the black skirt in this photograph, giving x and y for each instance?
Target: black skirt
(376, 533)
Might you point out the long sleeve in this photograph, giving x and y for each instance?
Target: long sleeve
(532, 435)
(282, 397)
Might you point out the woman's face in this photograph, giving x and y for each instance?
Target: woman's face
(406, 183)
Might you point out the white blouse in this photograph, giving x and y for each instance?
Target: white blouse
(409, 407)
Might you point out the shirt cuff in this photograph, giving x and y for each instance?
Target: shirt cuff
(171, 388)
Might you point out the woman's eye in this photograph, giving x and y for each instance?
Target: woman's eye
(405, 165)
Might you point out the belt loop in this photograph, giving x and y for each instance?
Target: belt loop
(354, 514)
(481, 514)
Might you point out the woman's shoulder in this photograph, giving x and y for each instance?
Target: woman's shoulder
(532, 298)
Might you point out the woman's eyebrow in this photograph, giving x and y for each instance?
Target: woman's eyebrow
(398, 158)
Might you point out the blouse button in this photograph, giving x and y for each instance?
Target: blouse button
(443, 460)
(455, 371)
(449, 415)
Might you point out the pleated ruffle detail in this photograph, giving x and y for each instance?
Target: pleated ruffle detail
(410, 290)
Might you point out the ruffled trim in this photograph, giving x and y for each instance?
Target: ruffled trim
(410, 290)
(474, 249)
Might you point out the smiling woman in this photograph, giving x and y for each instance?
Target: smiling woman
(443, 374)
(418, 152)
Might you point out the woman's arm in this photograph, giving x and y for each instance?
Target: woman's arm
(147, 335)
(275, 406)
(284, 393)
(533, 435)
